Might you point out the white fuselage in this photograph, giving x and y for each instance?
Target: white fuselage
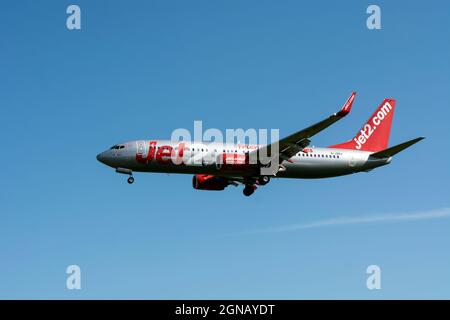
(202, 158)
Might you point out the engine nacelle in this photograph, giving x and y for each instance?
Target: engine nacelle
(209, 182)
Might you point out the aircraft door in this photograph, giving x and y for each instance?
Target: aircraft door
(141, 149)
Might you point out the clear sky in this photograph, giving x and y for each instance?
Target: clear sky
(140, 69)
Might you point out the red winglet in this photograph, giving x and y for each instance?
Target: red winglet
(347, 106)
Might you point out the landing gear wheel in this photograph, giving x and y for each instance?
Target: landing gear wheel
(130, 180)
(263, 180)
(248, 190)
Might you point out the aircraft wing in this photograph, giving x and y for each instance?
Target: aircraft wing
(290, 145)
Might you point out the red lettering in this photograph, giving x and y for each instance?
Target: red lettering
(150, 154)
(179, 156)
(163, 155)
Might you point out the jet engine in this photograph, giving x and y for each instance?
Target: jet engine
(209, 182)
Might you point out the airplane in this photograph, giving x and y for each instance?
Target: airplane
(222, 164)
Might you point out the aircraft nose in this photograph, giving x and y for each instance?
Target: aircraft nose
(101, 157)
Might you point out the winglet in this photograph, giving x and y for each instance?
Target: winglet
(347, 106)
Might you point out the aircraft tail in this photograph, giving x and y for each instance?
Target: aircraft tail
(374, 135)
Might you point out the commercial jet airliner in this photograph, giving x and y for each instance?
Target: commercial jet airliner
(217, 165)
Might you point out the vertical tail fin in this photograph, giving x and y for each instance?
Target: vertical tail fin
(374, 135)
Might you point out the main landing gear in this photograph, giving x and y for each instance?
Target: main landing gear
(251, 185)
(130, 180)
(249, 189)
(263, 180)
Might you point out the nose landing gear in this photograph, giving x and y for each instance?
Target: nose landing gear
(126, 171)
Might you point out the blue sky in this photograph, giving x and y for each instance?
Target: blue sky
(141, 69)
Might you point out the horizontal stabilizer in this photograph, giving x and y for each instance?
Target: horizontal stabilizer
(389, 152)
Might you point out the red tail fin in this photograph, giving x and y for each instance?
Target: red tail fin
(374, 135)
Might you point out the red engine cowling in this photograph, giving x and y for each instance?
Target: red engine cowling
(209, 182)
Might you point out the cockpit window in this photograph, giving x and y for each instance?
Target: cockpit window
(116, 147)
